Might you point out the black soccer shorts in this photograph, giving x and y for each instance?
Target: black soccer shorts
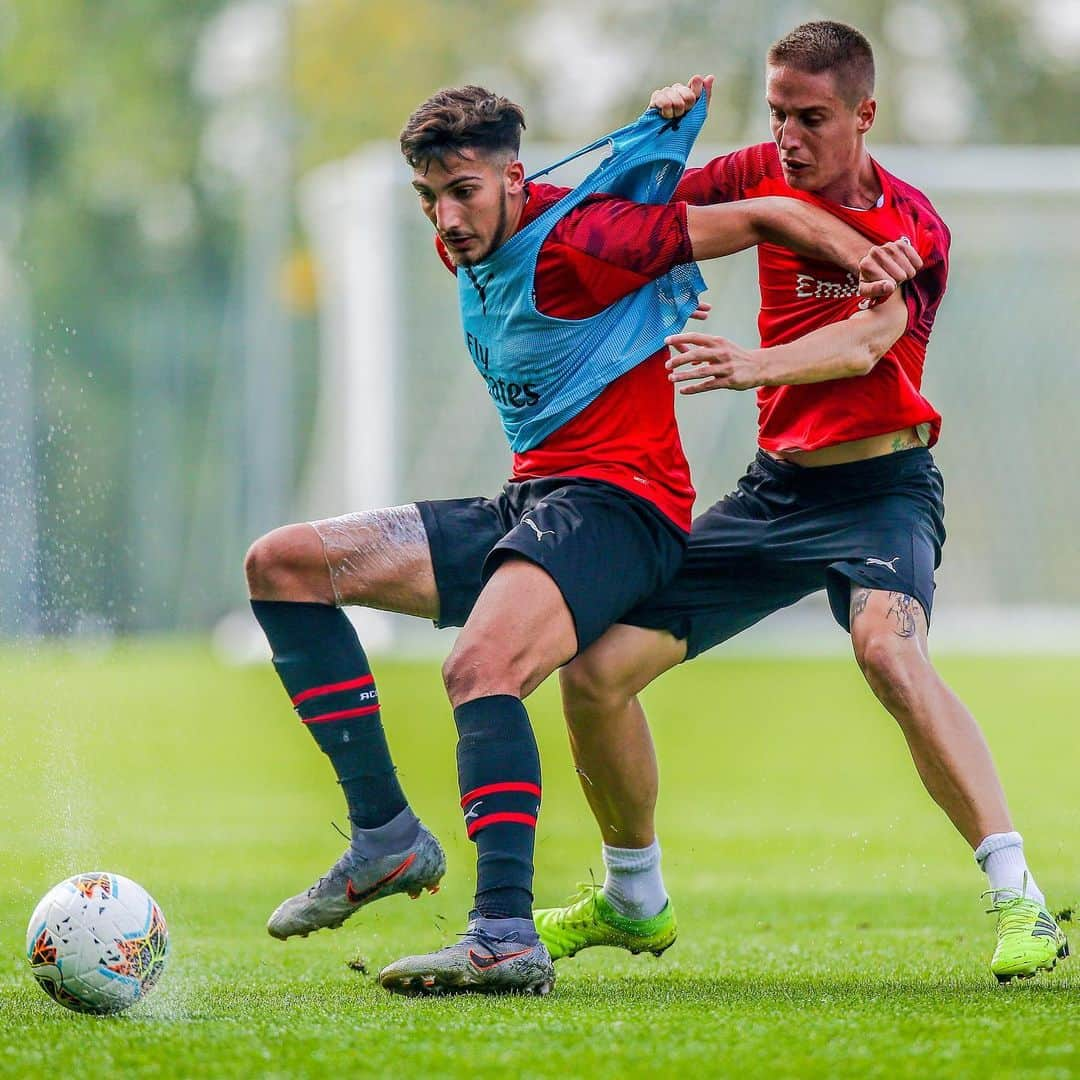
(788, 531)
(605, 548)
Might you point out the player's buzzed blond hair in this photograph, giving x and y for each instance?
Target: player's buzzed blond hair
(815, 47)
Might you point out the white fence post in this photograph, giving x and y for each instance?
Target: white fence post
(348, 211)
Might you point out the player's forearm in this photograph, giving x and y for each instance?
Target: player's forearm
(807, 230)
(841, 350)
(722, 229)
(798, 362)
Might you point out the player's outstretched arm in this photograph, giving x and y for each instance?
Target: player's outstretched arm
(725, 228)
(841, 350)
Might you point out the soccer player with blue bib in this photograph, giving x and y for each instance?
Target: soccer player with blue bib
(843, 496)
(565, 316)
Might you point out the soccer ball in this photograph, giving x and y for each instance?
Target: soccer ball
(97, 943)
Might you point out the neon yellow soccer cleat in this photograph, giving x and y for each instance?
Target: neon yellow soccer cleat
(1029, 940)
(589, 919)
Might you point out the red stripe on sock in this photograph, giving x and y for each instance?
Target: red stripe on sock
(495, 819)
(345, 714)
(493, 789)
(333, 688)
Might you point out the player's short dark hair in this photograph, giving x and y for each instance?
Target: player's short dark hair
(815, 47)
(462, 118)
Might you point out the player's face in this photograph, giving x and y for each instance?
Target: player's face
(468, 199)
(818, 133)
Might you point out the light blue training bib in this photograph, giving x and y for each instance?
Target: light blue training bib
(542, 371)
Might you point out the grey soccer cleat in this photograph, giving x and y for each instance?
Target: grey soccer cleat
(480, 962)
(353, 882)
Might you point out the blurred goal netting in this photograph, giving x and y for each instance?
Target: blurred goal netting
(402, 414)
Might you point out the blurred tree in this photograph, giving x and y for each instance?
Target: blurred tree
(952, 71)
(361, 68)
(124, 257)
(1023, 63)
(987, 71)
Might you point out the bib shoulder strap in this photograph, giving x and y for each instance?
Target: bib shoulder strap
(627, 171)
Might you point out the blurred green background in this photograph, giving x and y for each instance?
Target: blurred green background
(158, 336)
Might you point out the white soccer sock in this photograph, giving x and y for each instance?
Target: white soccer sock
(634, 886)
(1001, 857)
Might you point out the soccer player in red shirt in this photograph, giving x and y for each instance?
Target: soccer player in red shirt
(593, 521)
(843, 496)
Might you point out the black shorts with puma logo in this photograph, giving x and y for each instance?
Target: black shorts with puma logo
(605, 548)
(788, 531)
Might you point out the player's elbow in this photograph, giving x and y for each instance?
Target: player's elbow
(864, 360)
(870, 347)
(878, 330)
(770, 218)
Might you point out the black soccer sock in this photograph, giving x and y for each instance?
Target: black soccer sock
(320, 660)
(499, 779)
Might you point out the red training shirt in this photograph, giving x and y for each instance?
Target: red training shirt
(799, 295)
(601, 251)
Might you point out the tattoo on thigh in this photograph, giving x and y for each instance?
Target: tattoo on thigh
(903, 609)
(860, 597)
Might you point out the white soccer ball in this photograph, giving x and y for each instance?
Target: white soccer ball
(97, 943)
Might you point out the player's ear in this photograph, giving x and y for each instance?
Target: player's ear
(865, 113)
(515, 177)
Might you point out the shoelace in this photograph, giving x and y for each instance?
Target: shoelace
(584, 900)
(1011, 915)
(999, 906)
(486, 939)
(1003, 899)
(313, 889)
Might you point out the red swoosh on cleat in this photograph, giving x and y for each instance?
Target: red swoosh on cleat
(355, 897)
(486, 963)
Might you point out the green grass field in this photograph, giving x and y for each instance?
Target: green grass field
(830, 918)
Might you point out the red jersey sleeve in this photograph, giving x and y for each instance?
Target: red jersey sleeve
(924, 292)
(601, 251)
(605, 249)
(726, 178)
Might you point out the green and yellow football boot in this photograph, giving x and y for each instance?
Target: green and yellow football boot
(589, 919)
(1029, 938)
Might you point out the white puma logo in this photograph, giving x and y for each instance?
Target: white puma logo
(473, 810)
(881, 562)
(540, 533)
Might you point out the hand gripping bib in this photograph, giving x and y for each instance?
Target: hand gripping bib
(542, 371)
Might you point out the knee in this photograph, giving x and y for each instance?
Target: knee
(288, 564)
(892, 665)
(588, 690)
(455, 678)
(473, 670)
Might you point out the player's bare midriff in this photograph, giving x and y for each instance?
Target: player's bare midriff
(856, 450)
